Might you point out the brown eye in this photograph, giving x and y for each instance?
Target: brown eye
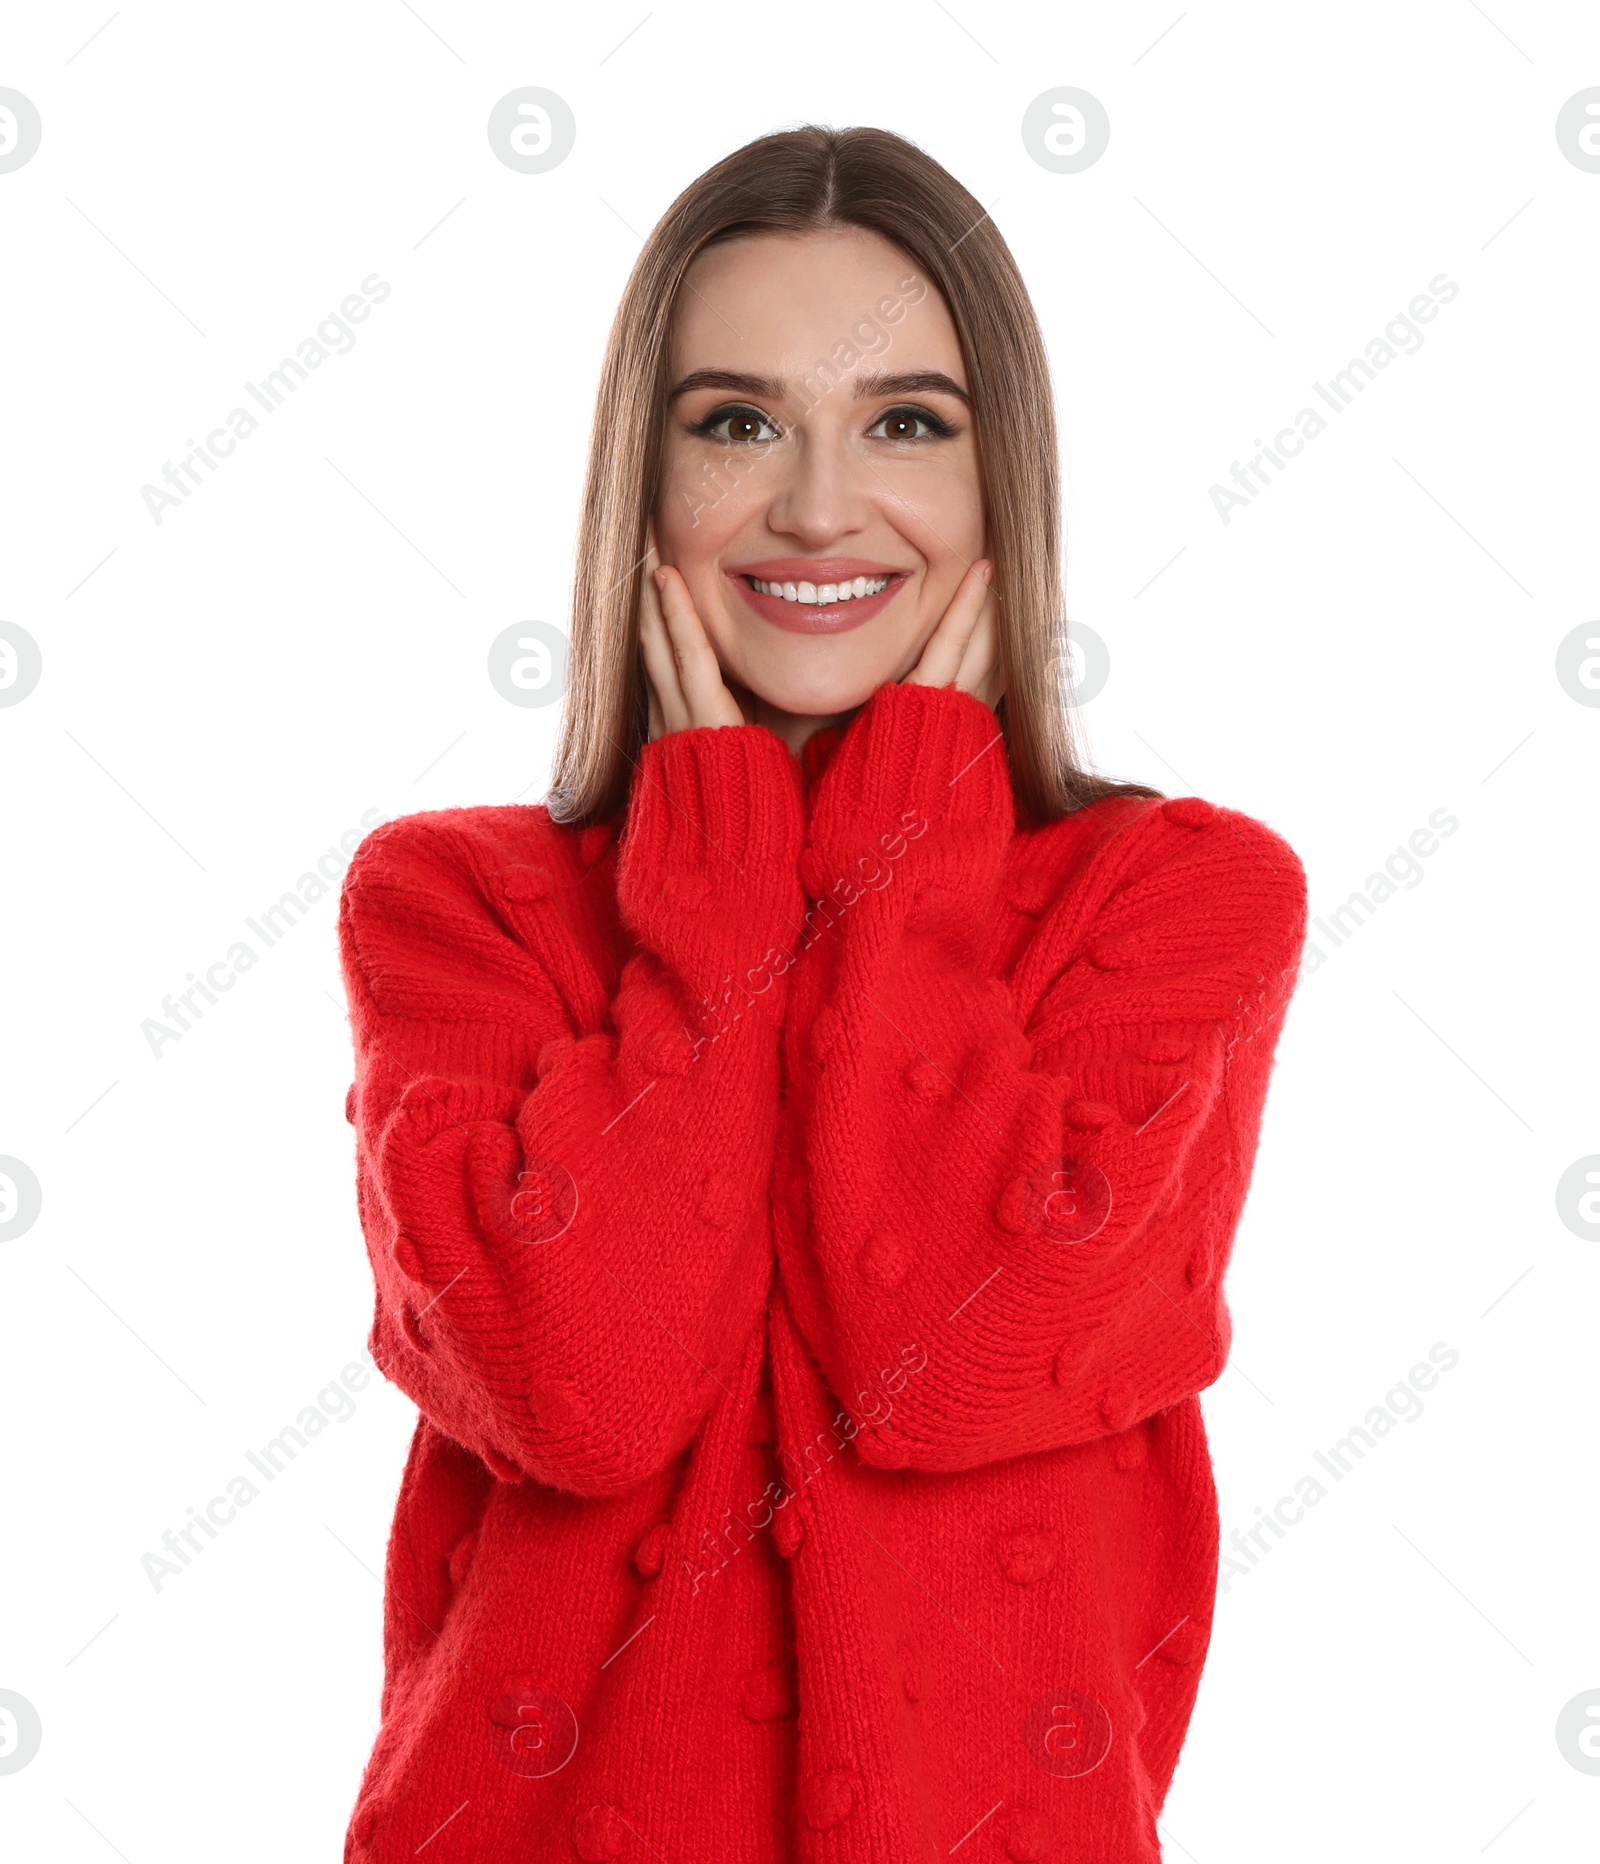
(912, 424)
(735, 426)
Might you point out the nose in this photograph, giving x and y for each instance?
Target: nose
(824, 492)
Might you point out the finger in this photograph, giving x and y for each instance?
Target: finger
(699, 674)
(980, 662)
(941, 659)
(660, 665)
(743, 698)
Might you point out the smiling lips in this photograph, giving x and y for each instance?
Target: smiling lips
(817, 595)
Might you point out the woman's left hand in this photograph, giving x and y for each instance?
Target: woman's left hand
(964, 650)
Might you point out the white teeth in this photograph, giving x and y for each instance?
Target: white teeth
(825, 594)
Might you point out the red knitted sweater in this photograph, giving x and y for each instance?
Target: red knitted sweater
(798, 1209)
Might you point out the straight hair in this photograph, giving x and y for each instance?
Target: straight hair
(809, 180)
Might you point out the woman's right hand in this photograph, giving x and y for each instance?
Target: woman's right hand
(682, 676)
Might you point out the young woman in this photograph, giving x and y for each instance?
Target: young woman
(799, 1160)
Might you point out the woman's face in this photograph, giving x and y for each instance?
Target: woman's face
(818, 443)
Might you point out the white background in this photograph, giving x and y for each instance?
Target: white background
(225, 693)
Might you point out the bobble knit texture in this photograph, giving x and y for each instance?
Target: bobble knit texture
(798, 1210)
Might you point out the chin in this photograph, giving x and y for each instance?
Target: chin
(830, 692)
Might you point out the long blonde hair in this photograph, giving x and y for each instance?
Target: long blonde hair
(807, 180)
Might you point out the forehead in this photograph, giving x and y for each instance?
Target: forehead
(777, 303)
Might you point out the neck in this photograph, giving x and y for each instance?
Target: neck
(794, 728)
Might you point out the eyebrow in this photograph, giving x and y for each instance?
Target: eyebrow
(868, 384)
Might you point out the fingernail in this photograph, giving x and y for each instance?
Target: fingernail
(987, 572)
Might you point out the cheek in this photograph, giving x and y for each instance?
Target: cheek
(705, 501)
(940, 510)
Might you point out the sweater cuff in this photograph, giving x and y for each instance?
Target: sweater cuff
(708, 865)
(927, 763)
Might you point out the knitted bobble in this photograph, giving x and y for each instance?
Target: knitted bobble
(1186, 1642)
(545, 1372)
(406, 1258)
(637, 972)
(1011, 1213)
(1030, 893)
(525, 884)
(1189, 811)
(987, 1062)
(1068, 1367)
(556, 1406)
(1065, 1200)
(553, 1053)
(669, 1051)
(883, 1259)
(788, 1530)
(1067, 1733)
(651, 1553)
(825, 1032)
(350, 1104)
(1109, 953)
(1026, 1554)
(766, 1693)
(1029, 1834)
(544, 1200)
(534, 1731)
(931, 903)
(721, 1202)
(1119, 1405)
(1087, 1116)
(598, 1833)
(1166, 1054)
(685, 892)
(1130, 1450)
(828, 1798)
(601, 1047)
(595, 842)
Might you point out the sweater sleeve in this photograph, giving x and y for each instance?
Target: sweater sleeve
(1021, 1215)
(561, 1178)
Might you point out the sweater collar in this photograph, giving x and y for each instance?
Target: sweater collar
(817, 753)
